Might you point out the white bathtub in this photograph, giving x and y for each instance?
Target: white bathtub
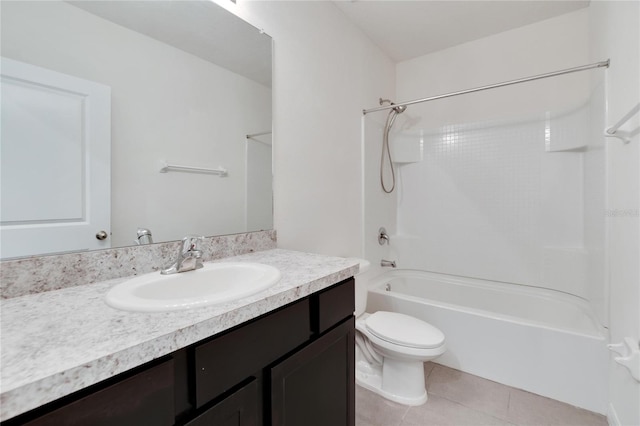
(542, 341)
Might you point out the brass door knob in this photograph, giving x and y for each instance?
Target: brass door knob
(102, 235)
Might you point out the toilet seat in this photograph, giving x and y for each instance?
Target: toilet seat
(403, 330)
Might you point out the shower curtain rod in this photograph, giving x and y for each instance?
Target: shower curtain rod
(491, 86)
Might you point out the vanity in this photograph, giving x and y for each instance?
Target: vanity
(284, 356)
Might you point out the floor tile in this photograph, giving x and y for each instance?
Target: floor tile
(529, 409)
(373, 410)
(443, 412)
(468, 390)
(461, 399)
(428, 368)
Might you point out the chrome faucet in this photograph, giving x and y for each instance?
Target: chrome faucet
(144, 236)
(386, 263)
(189, 256)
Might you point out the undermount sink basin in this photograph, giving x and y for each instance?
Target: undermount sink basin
(212, 284)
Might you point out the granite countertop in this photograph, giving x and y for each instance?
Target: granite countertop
(57, 342)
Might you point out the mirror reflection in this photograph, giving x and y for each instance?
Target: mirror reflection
(99, 97)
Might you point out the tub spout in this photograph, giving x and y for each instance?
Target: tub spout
(386, 263)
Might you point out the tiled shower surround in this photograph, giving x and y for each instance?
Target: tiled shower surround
(509, 189)
(44, 273)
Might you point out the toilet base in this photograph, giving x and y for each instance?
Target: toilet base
(406, 388)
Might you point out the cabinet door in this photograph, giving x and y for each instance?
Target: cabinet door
(238, 409)
(316, 385)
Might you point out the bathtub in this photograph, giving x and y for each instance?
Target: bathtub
(539, 340)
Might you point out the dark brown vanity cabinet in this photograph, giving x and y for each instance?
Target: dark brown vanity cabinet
(293, 366)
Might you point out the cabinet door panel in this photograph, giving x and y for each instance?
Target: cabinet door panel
(238, 409)
(316, 385)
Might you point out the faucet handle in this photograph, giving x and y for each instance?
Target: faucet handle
(383, 237)
(191, 243)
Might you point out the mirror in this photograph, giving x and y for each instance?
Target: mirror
(98, 97)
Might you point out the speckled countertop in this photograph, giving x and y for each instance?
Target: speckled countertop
(57, 342)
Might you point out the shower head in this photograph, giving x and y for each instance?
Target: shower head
(400, 108)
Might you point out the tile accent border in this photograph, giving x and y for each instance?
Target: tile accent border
(45, 273)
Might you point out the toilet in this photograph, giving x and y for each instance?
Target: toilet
(391, 349)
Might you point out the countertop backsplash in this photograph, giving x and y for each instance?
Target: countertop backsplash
(38, 274)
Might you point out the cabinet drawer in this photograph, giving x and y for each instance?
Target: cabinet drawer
(335, 304)
(228, 359)
(145, 398)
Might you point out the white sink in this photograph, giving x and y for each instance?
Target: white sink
(212, 284)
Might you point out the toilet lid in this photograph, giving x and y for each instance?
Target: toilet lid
(404, 330)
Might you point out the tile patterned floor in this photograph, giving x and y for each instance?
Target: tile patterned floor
(461, 399)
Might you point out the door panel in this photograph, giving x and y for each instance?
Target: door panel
(55, 156)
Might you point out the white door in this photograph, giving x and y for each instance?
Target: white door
(55, 162)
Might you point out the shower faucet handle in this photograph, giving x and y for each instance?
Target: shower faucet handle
(383, 237)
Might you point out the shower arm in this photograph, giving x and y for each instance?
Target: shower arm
(601, 64)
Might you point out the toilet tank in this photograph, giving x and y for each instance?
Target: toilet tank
(361, 287)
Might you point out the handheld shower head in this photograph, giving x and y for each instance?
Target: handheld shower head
(386, 151)
(400, 108)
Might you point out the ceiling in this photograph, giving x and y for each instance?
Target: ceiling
(201, 28)
(408, 29)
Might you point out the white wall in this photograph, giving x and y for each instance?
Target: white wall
(545, 46)
(166, 105)
(615, 33)
(496, 189)
(259, 193)
(594, 174)
(379, 206)
(325, 72)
